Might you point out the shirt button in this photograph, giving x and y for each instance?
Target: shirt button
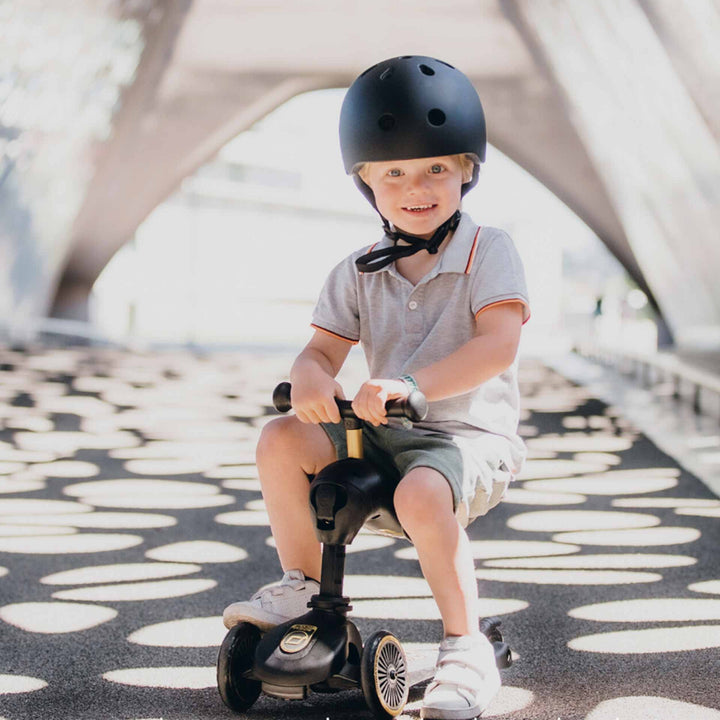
(412, 305)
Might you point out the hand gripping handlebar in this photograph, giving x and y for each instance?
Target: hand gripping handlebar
(414, 407)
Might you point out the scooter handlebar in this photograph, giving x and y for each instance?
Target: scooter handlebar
(414, 407)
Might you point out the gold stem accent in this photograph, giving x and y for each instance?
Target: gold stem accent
(354, 443)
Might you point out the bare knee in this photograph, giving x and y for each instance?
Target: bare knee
(275, 436)
(288, 440)
(422, 498)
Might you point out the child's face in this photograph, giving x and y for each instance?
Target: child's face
(417, 195)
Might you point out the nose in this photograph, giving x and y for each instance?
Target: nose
(416, 182)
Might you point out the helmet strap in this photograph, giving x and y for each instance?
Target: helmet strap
(378, 259)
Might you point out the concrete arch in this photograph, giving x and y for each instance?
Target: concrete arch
(604, 101)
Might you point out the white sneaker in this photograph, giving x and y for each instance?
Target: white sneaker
(274, 604)
(466, 679)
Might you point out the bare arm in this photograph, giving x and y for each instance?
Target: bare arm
(313, 373)
(489, 353)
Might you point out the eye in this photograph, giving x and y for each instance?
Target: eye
(395, 172)
(436, 169)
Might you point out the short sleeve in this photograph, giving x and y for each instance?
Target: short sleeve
(336, 311)
(498, 275)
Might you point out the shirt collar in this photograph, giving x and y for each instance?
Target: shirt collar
(457, 255)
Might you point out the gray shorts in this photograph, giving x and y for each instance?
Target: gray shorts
(475, 468)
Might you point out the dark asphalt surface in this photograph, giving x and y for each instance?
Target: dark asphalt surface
(130, 515)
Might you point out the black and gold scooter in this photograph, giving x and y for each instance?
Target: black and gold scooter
(322, 650)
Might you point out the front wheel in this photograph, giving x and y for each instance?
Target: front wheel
(384, 675)
(236, 656)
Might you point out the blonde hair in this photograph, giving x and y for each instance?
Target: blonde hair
(467, 164)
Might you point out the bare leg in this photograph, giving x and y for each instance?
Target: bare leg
(287, 452)
(424, 505)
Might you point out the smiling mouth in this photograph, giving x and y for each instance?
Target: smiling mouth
(419, 208)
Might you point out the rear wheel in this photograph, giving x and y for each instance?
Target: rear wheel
(383, 675)
(235, 659)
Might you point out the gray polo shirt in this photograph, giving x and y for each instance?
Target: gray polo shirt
(404, 327)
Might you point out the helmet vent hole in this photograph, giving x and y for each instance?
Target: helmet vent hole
(387, 73)
(436, 117)
(386, 122)
(426, 70)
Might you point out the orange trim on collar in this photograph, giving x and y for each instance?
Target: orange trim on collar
(473, 250)
(335, 335)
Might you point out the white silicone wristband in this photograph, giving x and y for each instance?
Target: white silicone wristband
(410, 381)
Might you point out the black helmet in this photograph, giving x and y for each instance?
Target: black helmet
(411, 107)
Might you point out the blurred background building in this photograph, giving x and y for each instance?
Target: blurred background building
(170, 173)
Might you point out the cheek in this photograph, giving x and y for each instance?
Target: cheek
(384, 200)
(453, 192)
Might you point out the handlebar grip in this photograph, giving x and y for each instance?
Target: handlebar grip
(281, 397)
(414, 407)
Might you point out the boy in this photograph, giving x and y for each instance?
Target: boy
(438, 305)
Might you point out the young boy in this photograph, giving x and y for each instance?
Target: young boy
(438, 305)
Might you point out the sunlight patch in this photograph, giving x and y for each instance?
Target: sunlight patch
(521, 496)
(233, 472)
(650, 610)
(642, 642)
(159, 502)
(533, 469)
(150, 487)
(108, 520)
(69, 544)
(567, 577)
(20, 485)
(598, 457)
(426, 609)
(647, 537)
(384, 586)
(16, 684)
(618, 561)
(510, 700)
(149, 494)
(651, 708)
(52, 618)
(605, 484)
(174, 678)
(14, 507)
(363, 541)
(570, 520)
(137, 591)
(198, 551)
(246, 484)
(68, 469)
(486, 549)
(243, 517)
(581, 442)
(9, 530)
(191, 632)
(709, 586)
(709, 512)
(665, 502)
(128, 572)
(174, 466)
(8, 467)
(68, 443)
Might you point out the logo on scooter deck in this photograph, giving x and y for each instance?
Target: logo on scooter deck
(297, 638)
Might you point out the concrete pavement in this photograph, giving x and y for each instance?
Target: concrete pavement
(130, 515)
